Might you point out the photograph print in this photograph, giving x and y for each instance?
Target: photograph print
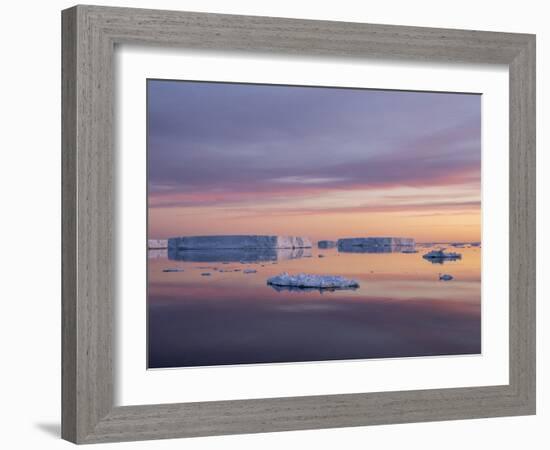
(288, 224)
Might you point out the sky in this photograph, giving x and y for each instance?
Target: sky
(319, 162)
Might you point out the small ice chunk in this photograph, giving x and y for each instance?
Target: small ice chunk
(172, 269)
(441, 254)
(156, 244)
(445, 277)
(206, 274)
(249, 271)
(326, 244)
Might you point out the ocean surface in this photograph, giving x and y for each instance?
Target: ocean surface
(401, 308)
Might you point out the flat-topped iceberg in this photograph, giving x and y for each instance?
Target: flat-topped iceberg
(305, 281)
(374, 244)
(228, 242)
(232, 248)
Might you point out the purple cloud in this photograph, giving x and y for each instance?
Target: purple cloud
(209, 142)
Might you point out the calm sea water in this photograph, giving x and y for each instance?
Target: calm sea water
(401, 309)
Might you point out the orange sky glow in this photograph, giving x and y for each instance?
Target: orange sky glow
(318, 162)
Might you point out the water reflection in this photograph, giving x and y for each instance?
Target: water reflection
(400, 310)
(250, 255)
(441, 260)
(156, 253)
(373, 249)
(309, 289)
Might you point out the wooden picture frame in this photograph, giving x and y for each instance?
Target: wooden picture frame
(90, 34)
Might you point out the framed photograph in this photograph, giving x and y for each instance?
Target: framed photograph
(278, 224)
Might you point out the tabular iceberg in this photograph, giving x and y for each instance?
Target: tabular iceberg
(237, 242)
(304, 280)
(244, 248)
(375, 244)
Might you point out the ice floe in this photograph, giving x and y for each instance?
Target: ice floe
(304, 280)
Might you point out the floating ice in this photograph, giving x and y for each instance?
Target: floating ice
(219, 242)
(172, 269)
(375, 244)
(441, 254)
(238, 248)
(304, 280)
(157, 243)
(445, 277)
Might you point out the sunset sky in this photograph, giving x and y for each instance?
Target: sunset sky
(318, 162)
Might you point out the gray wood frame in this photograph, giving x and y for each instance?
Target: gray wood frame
(89, 36)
